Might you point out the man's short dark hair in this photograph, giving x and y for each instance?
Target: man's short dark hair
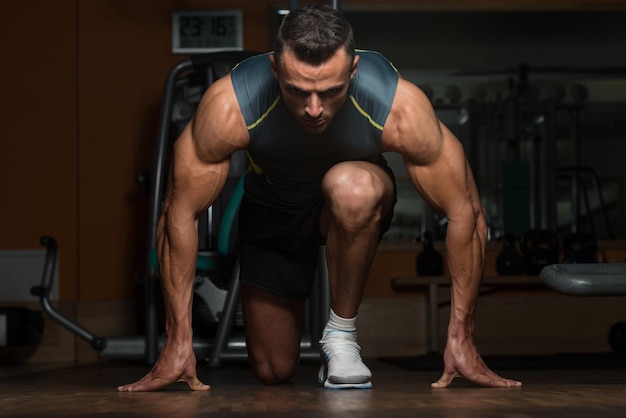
(314, 32)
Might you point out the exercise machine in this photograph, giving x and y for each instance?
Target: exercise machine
(216, 290)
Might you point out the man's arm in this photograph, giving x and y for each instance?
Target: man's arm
(200, 163)
(437, 166)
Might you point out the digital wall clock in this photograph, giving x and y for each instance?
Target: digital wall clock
(199, 32)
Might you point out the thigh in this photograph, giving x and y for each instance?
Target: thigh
(273, 326)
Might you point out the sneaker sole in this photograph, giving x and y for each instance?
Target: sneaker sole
(321, 377)
(339, 386)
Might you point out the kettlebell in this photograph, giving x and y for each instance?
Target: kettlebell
(429, 261)
(540, 248)
(579, 248)
(617, 337)
(509, 262)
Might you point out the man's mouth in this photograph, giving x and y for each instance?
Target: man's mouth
(314, 122)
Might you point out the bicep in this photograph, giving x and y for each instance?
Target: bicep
(218, 128)
(443, 177)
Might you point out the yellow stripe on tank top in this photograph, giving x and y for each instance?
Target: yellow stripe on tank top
(264, 115)
(364, 113)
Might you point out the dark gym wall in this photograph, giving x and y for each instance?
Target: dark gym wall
(80, 88)
(494, 40)
(39, 129)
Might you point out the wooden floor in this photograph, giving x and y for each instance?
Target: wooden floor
(89, 391)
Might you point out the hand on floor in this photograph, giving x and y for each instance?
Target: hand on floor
(173, 365)
(461, 359)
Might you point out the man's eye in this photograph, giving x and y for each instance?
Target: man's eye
(297, 91)
(330, 92)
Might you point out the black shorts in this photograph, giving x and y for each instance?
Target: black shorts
(279, 250)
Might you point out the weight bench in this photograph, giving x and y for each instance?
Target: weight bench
(591, 280)
(586, 279)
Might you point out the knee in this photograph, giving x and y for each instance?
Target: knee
(353, 194)
(273, 373)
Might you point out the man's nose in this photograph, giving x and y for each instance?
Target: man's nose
(314, 106)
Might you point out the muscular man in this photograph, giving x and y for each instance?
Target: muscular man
(314, 117)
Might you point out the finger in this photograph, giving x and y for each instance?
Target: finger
(195, 384)
(144, 385)
(505, 383)
(132, 387)
(490, 379)
(512, 383)
(444, 381)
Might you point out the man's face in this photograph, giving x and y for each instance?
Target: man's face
(314, 93)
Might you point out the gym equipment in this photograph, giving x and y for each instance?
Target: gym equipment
(429, 262)
(112, 348)
(617, 337)
(578, 178)
(509, 127)
(184, 86)
(509, 262)
(134, 347)
(216, 290)
(591, 280)
(579, 247)
(608, 279)
(43, 292)
(540, 248)
(452, 94)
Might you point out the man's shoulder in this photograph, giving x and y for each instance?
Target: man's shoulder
(257, 68)
(374, 58)
(255, 64)
(376, 75)
(374, 69)
(255, 87)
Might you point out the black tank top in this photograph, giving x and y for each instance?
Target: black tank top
(287, 163)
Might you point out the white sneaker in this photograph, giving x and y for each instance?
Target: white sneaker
(342, 366)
